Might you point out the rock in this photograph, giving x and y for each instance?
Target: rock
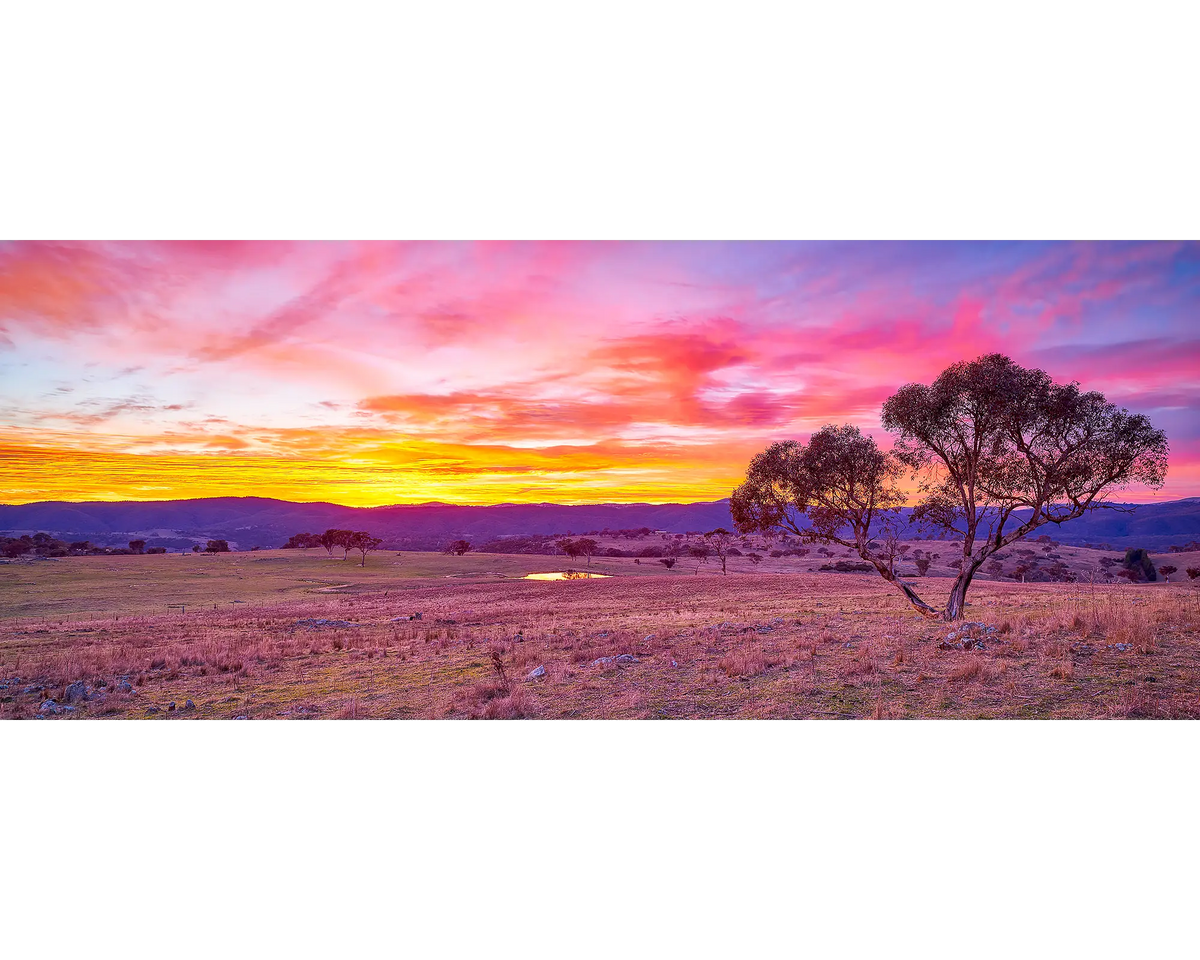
(536, 672)
(75, 692)
(188, 705)
(171, 707)
(241, 717)
(36, 688)
(49, 706)
(609, 661)
(125, 686)
(152, 709)
(320, 623)
(649, 638)
(674, 664)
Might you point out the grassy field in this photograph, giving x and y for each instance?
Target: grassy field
(690, 645)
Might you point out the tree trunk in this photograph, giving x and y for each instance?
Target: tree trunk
(918, 604)
(958, 595)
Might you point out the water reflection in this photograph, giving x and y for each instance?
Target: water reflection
(567, 575)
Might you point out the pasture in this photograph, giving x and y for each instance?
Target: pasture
(281, 634)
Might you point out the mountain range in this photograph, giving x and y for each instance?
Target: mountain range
(248, 522)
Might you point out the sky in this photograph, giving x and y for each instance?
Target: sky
(375, 373)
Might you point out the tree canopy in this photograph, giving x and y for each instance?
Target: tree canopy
(986, 439)
(364, 543)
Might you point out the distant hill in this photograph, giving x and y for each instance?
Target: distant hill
(257, 521)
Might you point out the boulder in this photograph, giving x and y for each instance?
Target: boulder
(125, 686)
(536, 672)
(188, 705)
(49, 706)
(76, 692)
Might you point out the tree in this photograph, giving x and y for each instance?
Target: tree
(754, 558)
(458, 547)
(701, 551)
(1166, 570)
(990, 437)
(667, 562)
(1138, 561)
(923, 564)
(1193, 572)
(195, 548)
(721, 541)
(586, 546)
(334, 538)
(137, 546)
(303, 541)
(364, 543)
(217, 546)
(986, 439)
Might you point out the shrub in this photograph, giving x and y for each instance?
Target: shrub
(1138, 559)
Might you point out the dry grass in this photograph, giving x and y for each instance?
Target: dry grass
(743, 646)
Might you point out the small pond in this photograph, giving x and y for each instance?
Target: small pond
(567, 575)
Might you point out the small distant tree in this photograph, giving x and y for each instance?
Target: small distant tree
(923, 564)
(1138, 560)
(587, 547)
(332, 538)
(302, 541)
(754, 558)
(364, 543)
(1193, 572)
(1166, 570)
(667, 562)
(195, 548)
(217, 546)
(721, 540)
(137, 546)
(701, 552)
(458, 547)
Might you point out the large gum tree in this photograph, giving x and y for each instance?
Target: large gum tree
(996, 451)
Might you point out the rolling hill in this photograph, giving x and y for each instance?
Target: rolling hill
(257, 521)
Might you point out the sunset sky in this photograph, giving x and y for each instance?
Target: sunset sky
(375, 373)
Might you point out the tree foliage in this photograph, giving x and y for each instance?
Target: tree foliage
(364, 543)
(721, 541)
(587, 547)
(1138, 562)
(334, 537)
(986, 439)
(302, 541)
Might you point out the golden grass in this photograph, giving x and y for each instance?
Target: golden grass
(831, 645)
